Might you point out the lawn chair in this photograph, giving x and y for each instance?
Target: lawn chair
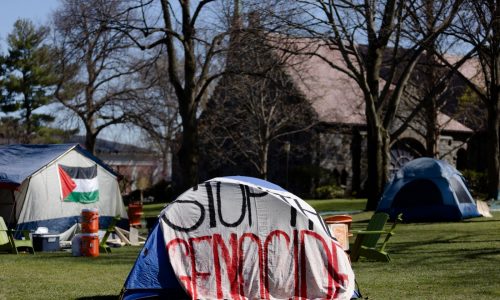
(11, 245)
(366, 240)
(103, 247)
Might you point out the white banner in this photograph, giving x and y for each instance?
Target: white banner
(233, 240)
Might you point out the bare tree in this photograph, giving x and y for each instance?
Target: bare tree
(192, 38)
(433, 89)
(155, 110)
(435, 86)
(382, 67)
(252, 113)
(479, 26)
(95, 65)
(255, 105)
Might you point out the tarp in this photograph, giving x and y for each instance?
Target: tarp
(18, 162)
(30, 187)
(241, 238)
(427, 189)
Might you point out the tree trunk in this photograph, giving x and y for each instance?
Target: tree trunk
(89, 121)
(166, 170)
(493, 134)
(27, 136)
(90, 139)
(189, 152)
(432, 129)
(378, 138)
(27, 105)
(431, 111)
(493, 143)
(264, 152)
(378, 161)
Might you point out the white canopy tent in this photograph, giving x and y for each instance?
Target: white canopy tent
(32, 193)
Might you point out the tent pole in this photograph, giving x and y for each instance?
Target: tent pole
(13, 210)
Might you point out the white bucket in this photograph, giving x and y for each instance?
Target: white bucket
(42, 230)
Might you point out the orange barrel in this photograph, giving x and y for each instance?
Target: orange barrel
(90, 220)
(89, 244)
(339, 219)
(134, 214)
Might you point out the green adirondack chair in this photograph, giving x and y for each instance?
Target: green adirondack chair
(103, 247)
(11, 245)
(366, 243)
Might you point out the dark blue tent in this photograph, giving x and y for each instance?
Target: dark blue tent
(152, 275)
(427, 189)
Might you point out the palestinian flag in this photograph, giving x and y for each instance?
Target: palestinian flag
(79, 184)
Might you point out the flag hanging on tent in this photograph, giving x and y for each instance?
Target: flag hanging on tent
(79, 184)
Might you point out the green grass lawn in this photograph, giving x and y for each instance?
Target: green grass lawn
(429, 261)
(338, 204)
(62, 276)
(152, 210)
(436, 261)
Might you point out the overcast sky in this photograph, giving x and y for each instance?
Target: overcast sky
(10, 10)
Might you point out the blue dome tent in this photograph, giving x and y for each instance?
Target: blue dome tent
(238, 238)
(426, 189)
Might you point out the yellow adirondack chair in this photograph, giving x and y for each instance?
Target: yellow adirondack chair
(367, 240)
(11, 245)
(103, 247)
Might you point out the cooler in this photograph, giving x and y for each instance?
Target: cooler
(45, 242)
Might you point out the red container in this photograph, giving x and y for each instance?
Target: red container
(134, 214)
(90, 220)
(339, 219)
(89, 244)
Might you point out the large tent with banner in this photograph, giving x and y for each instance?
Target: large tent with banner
(427, 189)
(240, 238)
(49, 185)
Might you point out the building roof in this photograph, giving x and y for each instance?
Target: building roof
(449, 124)
(336, 97)
(106, 146)
(471, 69)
